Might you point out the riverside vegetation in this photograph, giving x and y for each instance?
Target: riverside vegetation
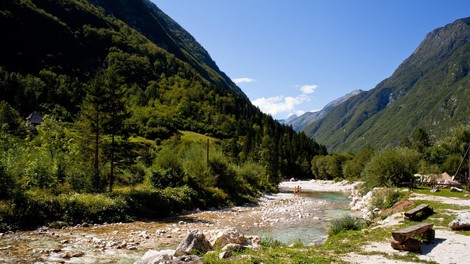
(128, 107)
(127, 116)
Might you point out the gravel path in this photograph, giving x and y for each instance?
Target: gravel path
(447, 247)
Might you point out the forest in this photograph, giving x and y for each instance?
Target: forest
(127, 130)
(397, 166)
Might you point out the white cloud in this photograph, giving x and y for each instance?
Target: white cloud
(279, 104)
(243, 80)
(308, 88)
(286, 104)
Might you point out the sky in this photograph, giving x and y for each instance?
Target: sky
(291, 57)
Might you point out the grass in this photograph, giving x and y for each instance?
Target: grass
(343, 242)
(189, 136)
(443, 214)
(345, 223)
(445, 192)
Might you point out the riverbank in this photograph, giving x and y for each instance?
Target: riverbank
(448, 246)
(319, 186)
(127, 242)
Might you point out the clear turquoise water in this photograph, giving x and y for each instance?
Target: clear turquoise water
(311, 229)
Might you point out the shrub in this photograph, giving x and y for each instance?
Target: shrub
(35, 207)
(390, 168)
(345, 223)
(179, 198)
(144, 201)
(96, 208)
(385, 198)
(7, 183)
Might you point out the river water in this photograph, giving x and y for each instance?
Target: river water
(308, 220)
(284, 217)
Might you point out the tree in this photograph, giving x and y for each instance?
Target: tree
(420, 140)
(391, 167)
(104, 112)
(92, 120)
(115, 109)
(352, 168)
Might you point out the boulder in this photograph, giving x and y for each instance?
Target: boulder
(232, 247)
(195, 241)
(231, 236)
(187, 259)
(156, 257)
(462, 221)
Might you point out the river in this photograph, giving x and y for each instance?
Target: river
(284, 217)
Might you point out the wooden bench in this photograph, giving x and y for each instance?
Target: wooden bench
(405, 239)
(424, 209)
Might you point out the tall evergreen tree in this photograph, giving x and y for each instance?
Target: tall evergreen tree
(116, 113)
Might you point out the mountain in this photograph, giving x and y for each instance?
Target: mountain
(429, 90)
(57, 56)
(150, 21)
(299, 122)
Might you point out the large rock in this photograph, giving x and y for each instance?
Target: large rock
(195, 241)
(156, 257)
(230, 236)
(167, 257)
(461, 222)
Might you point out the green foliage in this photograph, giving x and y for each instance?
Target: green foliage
(384, 198)
(114, 103)
(329, 167)
(427, 92)
(353, 168)
(9, 118)
(345, 223)
(95, 208)
(391, 167)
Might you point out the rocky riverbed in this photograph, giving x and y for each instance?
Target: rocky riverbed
(127, 242)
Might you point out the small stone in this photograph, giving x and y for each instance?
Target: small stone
(77, 254)
(225, 254)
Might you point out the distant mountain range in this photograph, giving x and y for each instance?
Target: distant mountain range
(429, 90)
(299, 122)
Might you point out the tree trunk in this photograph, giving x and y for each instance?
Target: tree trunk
(111, 175)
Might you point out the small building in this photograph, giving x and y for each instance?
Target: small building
(33, 120)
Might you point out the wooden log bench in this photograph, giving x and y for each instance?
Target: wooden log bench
(419, 212)
(405, 239)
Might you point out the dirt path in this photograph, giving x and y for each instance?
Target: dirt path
(447, 247)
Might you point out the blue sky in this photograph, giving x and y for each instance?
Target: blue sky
(295, 56)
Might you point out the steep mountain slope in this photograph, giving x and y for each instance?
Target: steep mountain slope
(150, 21)
(55, 54)
(430, 89)
(307, 118)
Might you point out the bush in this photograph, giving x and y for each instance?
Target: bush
(385, 198)
(7, 183)
(345, 223)
(96, 208)
(36, 207)
(390, 168)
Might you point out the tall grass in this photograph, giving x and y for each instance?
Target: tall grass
(345, 223)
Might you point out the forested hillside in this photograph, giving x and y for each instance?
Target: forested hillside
(128, 101)
(429, 90)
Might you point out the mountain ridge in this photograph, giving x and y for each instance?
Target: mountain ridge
(439, 64)
(155, 26)
(299, 122)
